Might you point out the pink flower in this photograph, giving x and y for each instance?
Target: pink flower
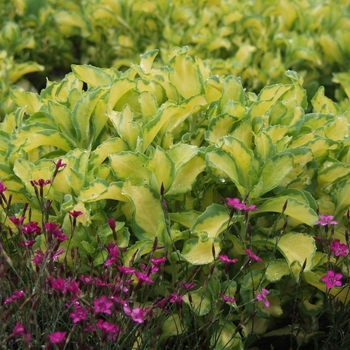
(75, 214)
(235, 203)
(250, 208)
(110, 329)
(79, 315)
(41, 183)
(227, 298)
(86, 280)
(188, 285)
(57, 337)
(19, 329)
(126, 270)
(332, 279)
(28, 243)
(262, 297)
(90, 328)
(59, 164)
(111, 223)
(252, 256)
(18, 295)
(31, 228)
(113, 251)
(53, 229)
(58, 284)
(59, 252)
(143, 278)
(102, 305)
(73, 287)
(38, 258)
(339, 248)
(176, 298)
(2, 187)
(159, 261)
(226, 259)
(136, 314)
(326, 220)
(17, 221)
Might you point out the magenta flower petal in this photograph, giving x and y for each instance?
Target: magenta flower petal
(57, 337)
(332, 279)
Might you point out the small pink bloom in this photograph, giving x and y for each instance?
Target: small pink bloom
(339, 248)
(19, 329)
(110, 329)
(38, 258)
(31, 228)
(252, 256)
(235, 203)
(227, 298)
(59, 252)
(332, 279)
(79, 315)
(226, 259)
(111, 223)
(326, 220)
(59, 164)
(102, 305)
(143, 278)
(73, 287)
(126, 270)
(75, 213)
(176, 298)
(188, 285)
(58, 284)
(17, 221)
(263, 297)
(57, 337)
(90, 328)
(86, 280)
(250, 208)
(28, 243)
(2, 187)
(159, 261)
(41, 183)
(136, 314)
(18, 295)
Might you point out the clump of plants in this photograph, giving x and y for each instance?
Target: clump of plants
(167, 207)
(54, 295)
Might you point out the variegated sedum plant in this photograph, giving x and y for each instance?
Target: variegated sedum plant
(206, 215)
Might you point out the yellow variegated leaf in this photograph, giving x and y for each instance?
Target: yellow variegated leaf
(110, 146)
(119, 88)
(128, 129)
(163, 116)
(91, 75)
(214, 220)
(198, 251)
(269, 177)
(147, 210)
(162, 170)
(129, 165)
(323, 104)
(295, 209)
(17, 72)
(82, 113)
(93, 191)
(147, 59)
(47, 137)
(224, 162)
(185, 76)
(29, 99)
(186, 175)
